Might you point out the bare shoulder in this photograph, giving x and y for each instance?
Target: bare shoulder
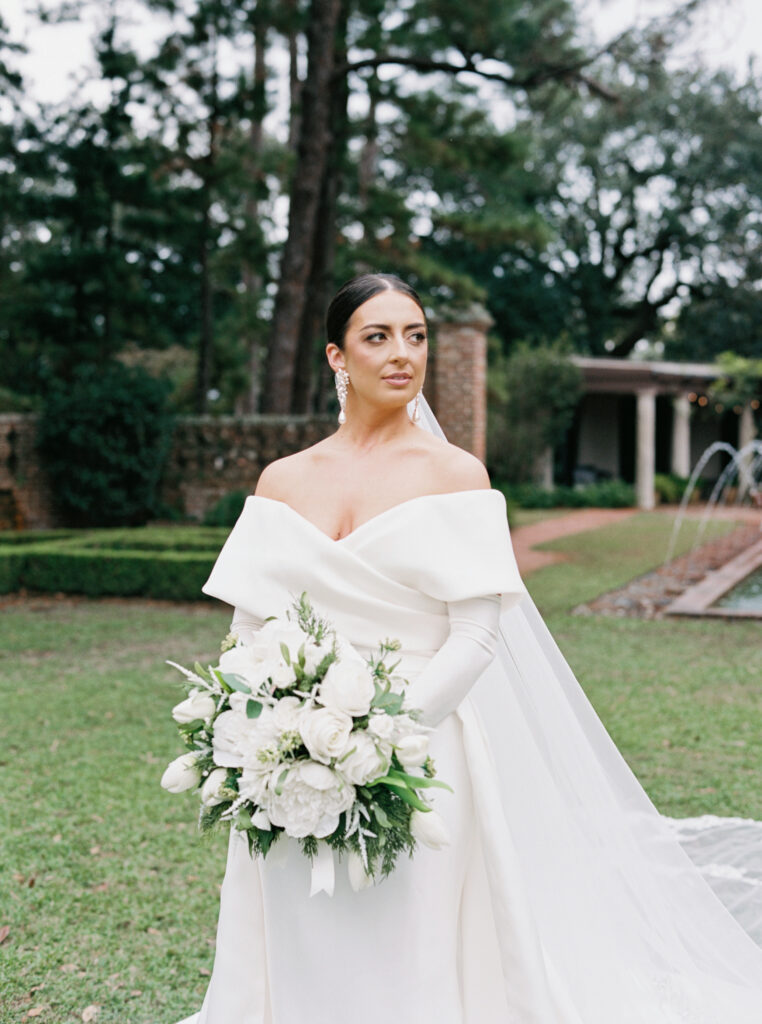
(455, 468)
(280, 478)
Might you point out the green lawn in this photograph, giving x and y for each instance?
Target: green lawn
(109, 894)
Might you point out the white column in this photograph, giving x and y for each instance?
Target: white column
(746, 427)
(680, 460)
(646, 437)
(543, 470)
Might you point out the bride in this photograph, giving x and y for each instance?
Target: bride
(563, 896)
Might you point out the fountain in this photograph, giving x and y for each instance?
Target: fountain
(735, 589)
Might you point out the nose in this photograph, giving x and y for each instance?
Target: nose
(399, 346)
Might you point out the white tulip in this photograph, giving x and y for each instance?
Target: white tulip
(197, 705)
(181, 774)
(412, 750)
(427, 827)
(358, 876)
(212, 789)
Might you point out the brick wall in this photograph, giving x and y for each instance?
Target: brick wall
(460, 377)
(26, 500)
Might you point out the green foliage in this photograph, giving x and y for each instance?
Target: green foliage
(226, 511)
(533, 395)
(741, 380)
(103, 439)
(605, 494)
(164, 563)
(669, 487)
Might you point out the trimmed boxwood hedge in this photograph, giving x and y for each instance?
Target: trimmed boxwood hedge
(146, 562)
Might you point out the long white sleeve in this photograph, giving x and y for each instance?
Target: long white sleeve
(245, 625)
(461, 659)
(456, 666)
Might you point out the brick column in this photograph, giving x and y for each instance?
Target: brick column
(460, 376)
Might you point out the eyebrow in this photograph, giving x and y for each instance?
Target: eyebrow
(386, 327)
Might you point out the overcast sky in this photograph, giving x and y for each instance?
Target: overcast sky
(729, 32)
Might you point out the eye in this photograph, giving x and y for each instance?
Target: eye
(375, 337)
(418, 337)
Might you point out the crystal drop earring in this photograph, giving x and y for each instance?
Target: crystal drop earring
(417, 408)
(342, 379)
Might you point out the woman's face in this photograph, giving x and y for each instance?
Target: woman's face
(385, 349)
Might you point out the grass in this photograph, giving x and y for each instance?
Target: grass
(681, 698)
(110, 895)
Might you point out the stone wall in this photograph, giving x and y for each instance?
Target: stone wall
(213, 455)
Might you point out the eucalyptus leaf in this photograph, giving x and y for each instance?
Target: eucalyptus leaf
(253, 708)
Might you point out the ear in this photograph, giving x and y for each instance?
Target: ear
(335, 357)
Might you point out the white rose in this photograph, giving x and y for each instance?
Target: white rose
(412, 750)
(325, 732)
(428, 828)
(348, 686)
(212, 789)
(311, 799)
(181, 774)
(198, 704)
(382, 726)
(281, 674)
(358, 876)
(362, 761)
(231, 738)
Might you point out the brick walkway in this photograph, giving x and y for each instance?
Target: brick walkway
(526, 537)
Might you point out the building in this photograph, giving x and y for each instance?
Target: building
(640, 418)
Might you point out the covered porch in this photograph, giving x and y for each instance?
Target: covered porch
(638, 418)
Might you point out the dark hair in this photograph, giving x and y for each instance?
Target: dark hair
(351, 296)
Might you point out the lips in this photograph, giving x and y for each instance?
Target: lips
(399, 378)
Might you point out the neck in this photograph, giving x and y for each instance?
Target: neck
(366, 427)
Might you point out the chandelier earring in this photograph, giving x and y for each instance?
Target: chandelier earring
(417, 408)
(342, 380)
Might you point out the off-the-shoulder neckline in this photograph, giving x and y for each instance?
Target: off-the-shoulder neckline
(379, 515)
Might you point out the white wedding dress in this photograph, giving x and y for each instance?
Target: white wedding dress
(564, 898)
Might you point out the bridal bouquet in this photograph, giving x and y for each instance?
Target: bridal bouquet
(296, 733)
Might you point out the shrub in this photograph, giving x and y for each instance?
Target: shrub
(103, 438)
(532, 397)
(227, 509)
(606, 494)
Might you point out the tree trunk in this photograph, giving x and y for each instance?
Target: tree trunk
(252, 281)
(306, 187)
(320, 284)
(294, 85)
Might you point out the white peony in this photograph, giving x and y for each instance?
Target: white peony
(199, 704)
(412, 750)
(311, 799)
(358, 876)
(428, 828)
(287, 714)
(254, 781)
(212, 789)
(325, 732)
(362, 760)
(181, 774)
(348, 686)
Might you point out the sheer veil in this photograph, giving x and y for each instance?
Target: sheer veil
(628, 903)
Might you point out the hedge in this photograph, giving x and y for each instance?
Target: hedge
(130, 563)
